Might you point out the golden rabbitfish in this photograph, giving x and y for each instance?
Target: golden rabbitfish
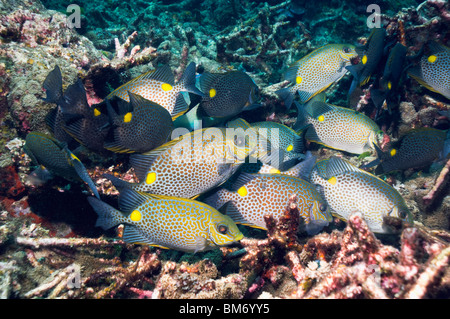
(158, 86)
(338, 127)
(189, 165)
(433, 71)
(347, 189)
(316, 72)
(254, 195)
(167, 222)
(418, 147)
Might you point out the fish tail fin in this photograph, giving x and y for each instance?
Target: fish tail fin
(118, 183)
(302, 118)
(287, 96)
(108, 216)
(378, 98)
(304, 168)
(219, 198)
(53, 86)
(188, 79)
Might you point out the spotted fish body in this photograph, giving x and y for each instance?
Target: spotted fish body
(433, 71)
(316, 72)
(54, 156)
(347, 189)
(418, 148)
(255, 195)
(158, 86)
(338, 127)
(189, 165)
(282, 137)
(148, 126)
(227, 94)
(167, 222)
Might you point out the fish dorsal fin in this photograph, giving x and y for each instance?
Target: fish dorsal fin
(317, 108)
(239, 123)
(436, 47)
(142, 162)
(130, 199)
(206, 82)
(337, 166)
(163, 74)
(50, 119)
(242, 179)
(75, 100)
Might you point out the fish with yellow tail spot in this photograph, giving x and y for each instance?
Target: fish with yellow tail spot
(417, 148)
(433, 71)
(167, 222)
(191, 164)
(158, 86)
(338, 127)
(254, 195)
(147, 126)
(347, 189)
(54, 157)
(315, 72)
(370, 58)
(227, 94)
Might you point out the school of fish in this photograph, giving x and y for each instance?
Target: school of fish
(197, 183)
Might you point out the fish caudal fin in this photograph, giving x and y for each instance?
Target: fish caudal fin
(108, 216)
(117, 182)
(187, 80)
(287, 96)
(53, 86)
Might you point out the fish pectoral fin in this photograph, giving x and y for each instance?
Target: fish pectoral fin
(416, 74)
(200, 244)
(134, 235)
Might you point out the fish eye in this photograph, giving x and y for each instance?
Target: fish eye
(402, 214)
(346, 50)
(223, 229)
(323, 207)
(239, 141)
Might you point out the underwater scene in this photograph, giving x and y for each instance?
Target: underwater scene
(224, 149)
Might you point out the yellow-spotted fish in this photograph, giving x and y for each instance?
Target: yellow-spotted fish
(316, 72)
(191, 164)
(338, 127)
(158, 86)
(433, 71)
(255, 195)
(370, 58)
(53, 156)
(347, 189)
(417, 148)
(147, 126)
(167, 222)
(227, 94)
